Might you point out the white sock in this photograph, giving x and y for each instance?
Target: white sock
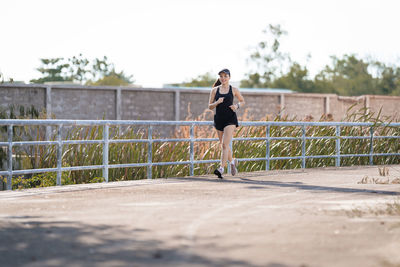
(233, 162)
(221, 169)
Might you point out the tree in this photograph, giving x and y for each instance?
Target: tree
(10, 80)
(113, 78)
(53, 70)
(389, 78)
(204, 80)
(296, 79)
(81, 70)
(78, 69)
(104, 73)
(348, 76)
(267, 59)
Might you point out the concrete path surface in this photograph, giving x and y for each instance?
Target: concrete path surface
(312, 217)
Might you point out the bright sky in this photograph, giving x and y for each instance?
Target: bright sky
(167, 41)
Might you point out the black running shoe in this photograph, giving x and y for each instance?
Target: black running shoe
(218, 173)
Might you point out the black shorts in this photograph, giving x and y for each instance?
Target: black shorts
(220, 122)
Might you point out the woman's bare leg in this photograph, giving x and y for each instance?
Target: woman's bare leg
(230, 152)
(220, 135)
(226, 140)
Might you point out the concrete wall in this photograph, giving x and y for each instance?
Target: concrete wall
(147, 105)
(340, 104)
(259, 105)
(84, 102)
(302, 105)
(390, 104)
(21, 95)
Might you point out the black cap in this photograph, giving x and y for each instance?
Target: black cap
(225, 71)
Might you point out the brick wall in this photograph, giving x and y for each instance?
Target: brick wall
(84, 102)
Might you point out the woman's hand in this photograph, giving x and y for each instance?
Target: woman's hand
(219, 101)
(234, 107)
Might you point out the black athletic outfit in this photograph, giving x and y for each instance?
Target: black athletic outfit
(224, 115)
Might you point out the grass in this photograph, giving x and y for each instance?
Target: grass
(383, 178)
(390, 209)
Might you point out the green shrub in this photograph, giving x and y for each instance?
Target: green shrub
(40, 180)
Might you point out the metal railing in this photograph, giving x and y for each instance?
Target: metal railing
(150, 124)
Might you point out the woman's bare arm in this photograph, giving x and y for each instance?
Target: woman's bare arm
(240, 98)
(211, 103)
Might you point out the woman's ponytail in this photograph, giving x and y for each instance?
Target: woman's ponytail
(216, 83)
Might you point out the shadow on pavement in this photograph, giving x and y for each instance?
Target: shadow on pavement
(27, 241)
(257, 184)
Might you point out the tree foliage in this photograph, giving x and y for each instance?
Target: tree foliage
(53, 70)
(113, 78)
(204, 80)
(79, 69)
(10, 80)
(266, 59)
(346, 75)
(296, 79)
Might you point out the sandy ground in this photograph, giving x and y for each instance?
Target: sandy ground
(313, 217)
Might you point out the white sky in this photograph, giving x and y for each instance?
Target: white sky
(166, 41)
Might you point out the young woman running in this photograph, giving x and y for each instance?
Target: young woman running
(225, 119)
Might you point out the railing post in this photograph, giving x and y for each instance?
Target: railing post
(118, 103)
(191, 150)
(48, 111)
(177, 96)
(337, 160)
(105, 151)
(59, 154)
(150, 151)
(267, 145)
(371, 149)
(9, 156)
(303, 147)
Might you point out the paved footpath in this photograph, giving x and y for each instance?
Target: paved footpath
(312, 217)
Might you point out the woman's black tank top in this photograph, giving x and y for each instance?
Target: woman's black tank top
(223, 109)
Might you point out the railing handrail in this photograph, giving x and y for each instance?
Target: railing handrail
(183, 123)
(105, 141)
